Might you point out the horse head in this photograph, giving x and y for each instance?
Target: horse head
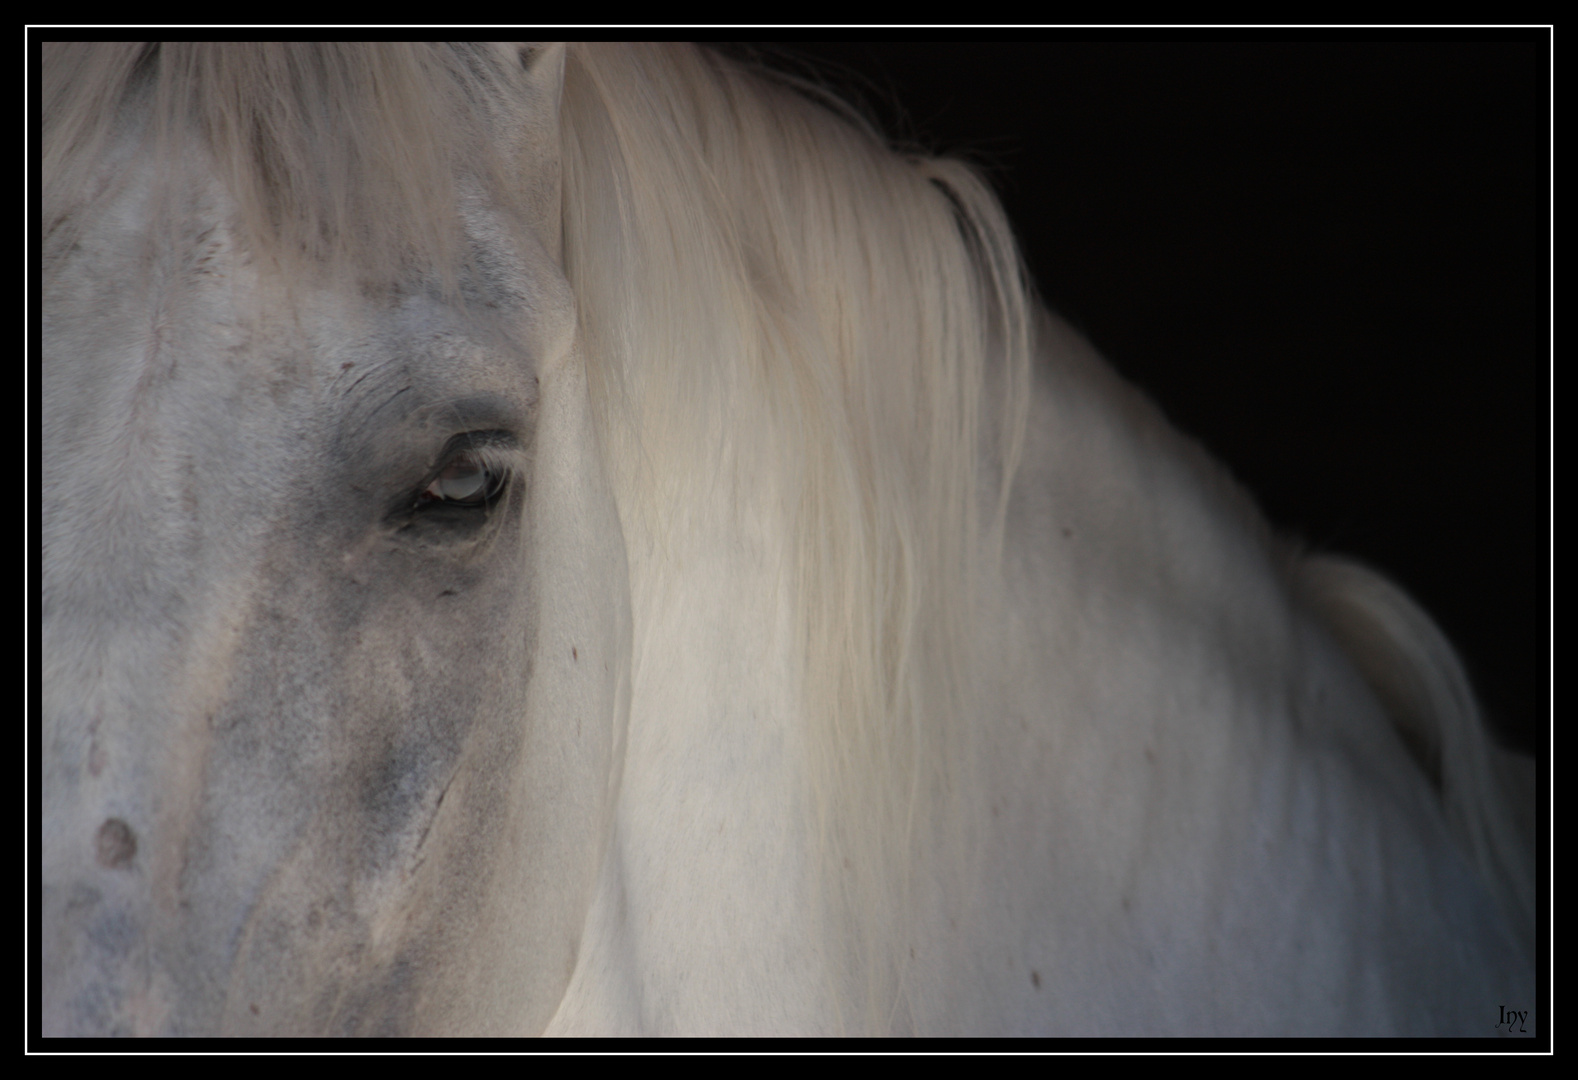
(335, 605)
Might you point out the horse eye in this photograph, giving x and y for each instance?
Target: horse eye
(464, 481)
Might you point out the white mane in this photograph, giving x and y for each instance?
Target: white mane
(768, 292)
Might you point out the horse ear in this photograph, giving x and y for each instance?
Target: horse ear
(541, 63)
(536, 71)
(540, 57)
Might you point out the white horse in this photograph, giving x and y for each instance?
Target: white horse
(585, 540)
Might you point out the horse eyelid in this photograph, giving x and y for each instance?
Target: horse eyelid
(490, 451)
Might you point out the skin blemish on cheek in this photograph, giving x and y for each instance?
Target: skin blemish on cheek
(115, 845)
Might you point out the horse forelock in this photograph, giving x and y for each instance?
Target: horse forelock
(341, 158)
(766, 291)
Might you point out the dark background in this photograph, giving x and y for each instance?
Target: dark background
(1328, 261)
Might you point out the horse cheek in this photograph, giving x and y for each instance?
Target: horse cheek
(532, 821)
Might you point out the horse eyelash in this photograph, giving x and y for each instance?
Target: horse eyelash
(491, 450)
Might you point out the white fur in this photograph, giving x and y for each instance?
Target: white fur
(866, 676)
